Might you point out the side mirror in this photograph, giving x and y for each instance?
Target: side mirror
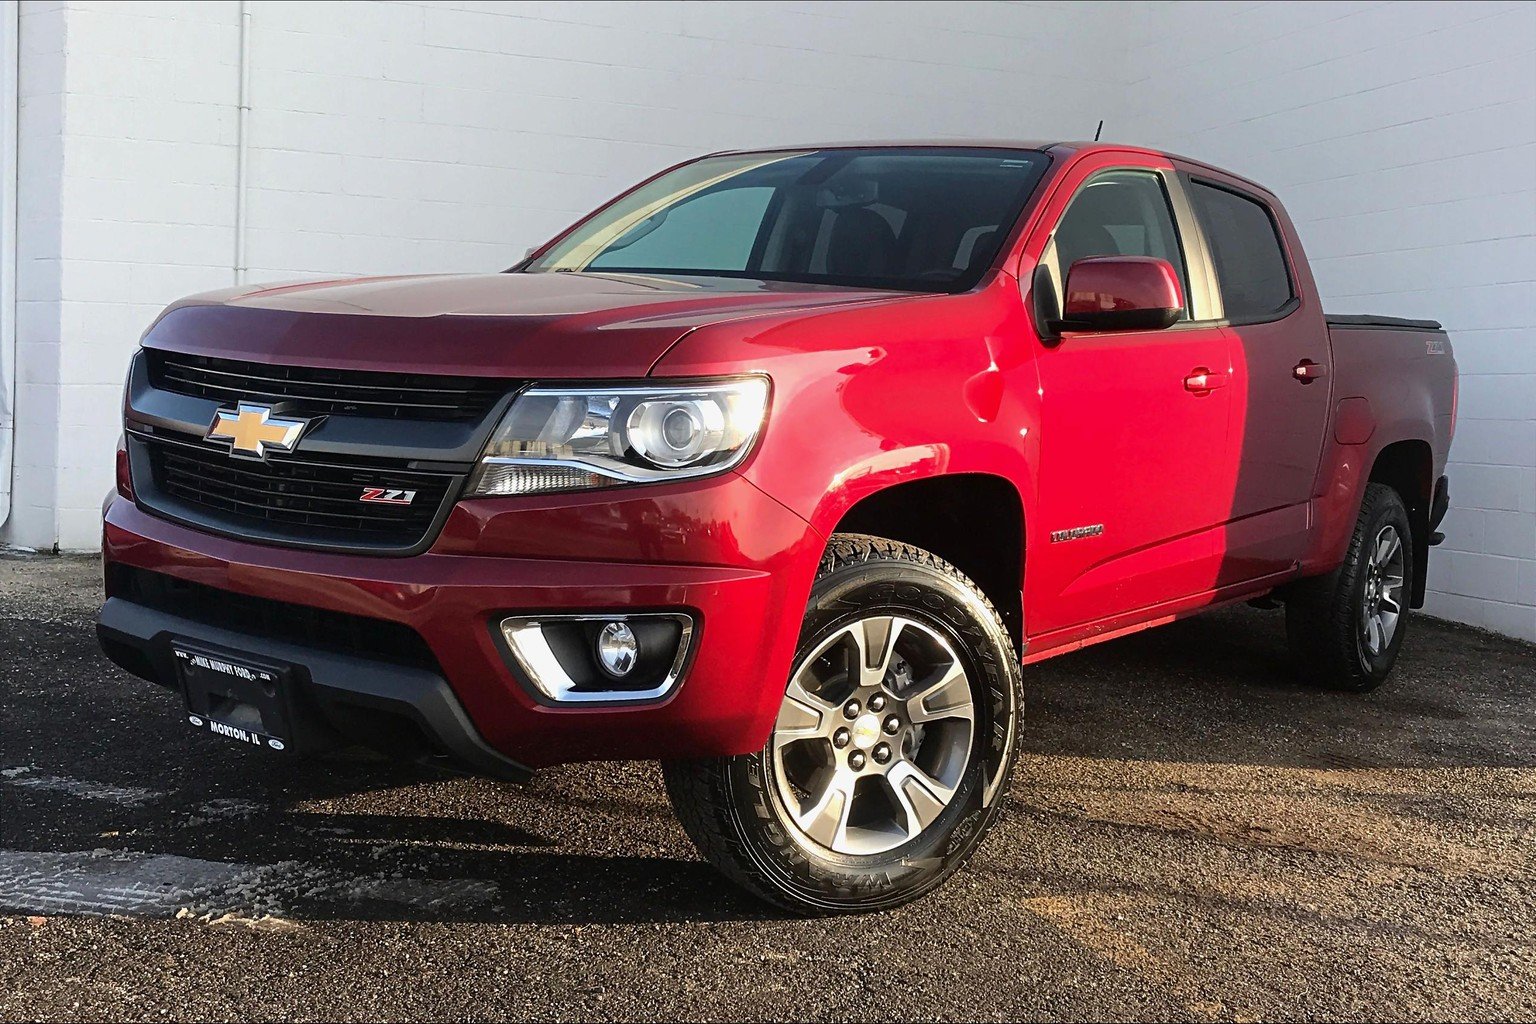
(1121, 293)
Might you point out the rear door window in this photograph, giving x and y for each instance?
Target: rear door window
(1245, 248)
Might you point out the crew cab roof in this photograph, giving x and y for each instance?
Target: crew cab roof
(1035, 145)
(897, 144)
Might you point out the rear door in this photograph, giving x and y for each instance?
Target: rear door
(1134, 458)
(1280, 390)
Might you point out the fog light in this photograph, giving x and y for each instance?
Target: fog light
(628, 658)
(617, 649)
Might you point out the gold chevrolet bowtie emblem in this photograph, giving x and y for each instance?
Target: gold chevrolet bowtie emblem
(252, 430)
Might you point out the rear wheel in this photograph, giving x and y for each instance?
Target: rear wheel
(1347, 627)
(891, 749)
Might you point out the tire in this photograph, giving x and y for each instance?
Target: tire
(1326, 618)
(939, 644)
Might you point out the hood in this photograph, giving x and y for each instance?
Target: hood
(544, 325)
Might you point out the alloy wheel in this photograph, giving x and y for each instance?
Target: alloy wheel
(1381, 605)
(874, 735)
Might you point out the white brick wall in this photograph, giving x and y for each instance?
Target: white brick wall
(37, 356)
(10, 59)
(398, 137)
(1402, 138)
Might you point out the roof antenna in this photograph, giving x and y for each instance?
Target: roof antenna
(1100, 131)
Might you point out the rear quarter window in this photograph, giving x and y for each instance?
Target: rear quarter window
(1245, 247)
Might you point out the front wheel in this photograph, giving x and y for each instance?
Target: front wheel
(892, 746)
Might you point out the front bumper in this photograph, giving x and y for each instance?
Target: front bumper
(743, 569)
(412, 712)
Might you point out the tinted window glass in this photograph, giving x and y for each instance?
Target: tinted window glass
(1246, 250)
(929, 219)
(1120, 213)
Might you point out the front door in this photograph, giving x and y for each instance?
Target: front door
(1134, 477)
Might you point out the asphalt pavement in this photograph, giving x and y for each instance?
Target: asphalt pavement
(1191, 835)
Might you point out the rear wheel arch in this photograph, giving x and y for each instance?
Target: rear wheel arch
(1408, 468)
(973, 521)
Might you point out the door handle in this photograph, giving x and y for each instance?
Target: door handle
(1307, 371)
(1202, 381)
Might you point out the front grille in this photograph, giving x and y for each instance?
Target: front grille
(320, 628)
(310, 391)
(289, 498)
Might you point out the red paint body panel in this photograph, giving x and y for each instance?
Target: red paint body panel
(1207, 490)
(746, 592)
(1101, 284)
(544, 325)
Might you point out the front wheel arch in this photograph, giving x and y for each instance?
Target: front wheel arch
(973, 521)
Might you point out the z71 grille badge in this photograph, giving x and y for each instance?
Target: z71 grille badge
(387, 496)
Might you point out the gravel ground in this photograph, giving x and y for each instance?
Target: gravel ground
(1191, 835)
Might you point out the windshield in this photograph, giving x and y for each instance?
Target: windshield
(921, 219)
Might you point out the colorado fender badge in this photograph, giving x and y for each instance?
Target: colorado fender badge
(1076, 533)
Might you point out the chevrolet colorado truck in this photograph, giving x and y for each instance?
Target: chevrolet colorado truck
(777, 469)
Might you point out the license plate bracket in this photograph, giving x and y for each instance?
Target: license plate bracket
(235, 696)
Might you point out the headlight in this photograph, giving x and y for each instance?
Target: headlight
(563, 439)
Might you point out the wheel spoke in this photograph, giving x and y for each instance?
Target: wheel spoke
(826, 820)
(947, 696)
(875, 639)
(803, 715)
(1373, 634)
(920, 796)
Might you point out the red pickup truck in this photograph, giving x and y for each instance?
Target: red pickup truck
(778, 468)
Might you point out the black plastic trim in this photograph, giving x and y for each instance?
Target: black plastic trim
(362, 437)
(1392, 323)
(139, 640)
(1441, 503)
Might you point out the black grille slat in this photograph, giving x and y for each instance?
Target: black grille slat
(302, 516)
(230, 393)
(314, 391)
(194, 475)
(170, 366)
(260, 499)
(287, 497)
